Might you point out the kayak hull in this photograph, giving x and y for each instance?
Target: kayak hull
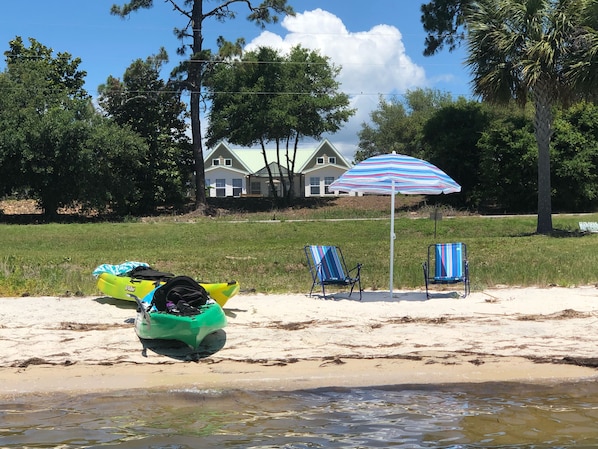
(190, 330)
(121, 287)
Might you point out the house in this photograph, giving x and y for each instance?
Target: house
(243, 171)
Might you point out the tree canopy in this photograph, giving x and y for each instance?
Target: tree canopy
(532, 49)
(51, 145)
(397, 124)
(152, 108)
(267, 97)
(192, 71)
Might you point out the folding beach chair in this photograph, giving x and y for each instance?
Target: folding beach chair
(327, 267)
(450, 264)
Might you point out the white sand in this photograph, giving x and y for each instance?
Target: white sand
(294, 341)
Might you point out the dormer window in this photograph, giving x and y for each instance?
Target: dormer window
(222, 161)
(320, 161)
(332, 160)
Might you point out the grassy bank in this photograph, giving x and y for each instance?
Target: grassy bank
(267, 256)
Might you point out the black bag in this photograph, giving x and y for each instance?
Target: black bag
(182, 292)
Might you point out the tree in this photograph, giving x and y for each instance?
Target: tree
(449, 140)
(54, 145)
(269, 97)
(41, 123)
(152, 108)
(524, 49)
(575, 151)
(397, 124)
(444, 21)
(508, 162)
(192, 71)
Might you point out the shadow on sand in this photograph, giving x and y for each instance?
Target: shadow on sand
(180, 351)
(384, 296)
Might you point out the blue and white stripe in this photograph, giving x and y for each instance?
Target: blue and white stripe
(395, 173)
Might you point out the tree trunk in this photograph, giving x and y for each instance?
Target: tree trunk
(273, 191)
(543, 131)
(195, 79)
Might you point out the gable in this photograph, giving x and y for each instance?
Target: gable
(222, 157)
(325, 156)
(251, 160)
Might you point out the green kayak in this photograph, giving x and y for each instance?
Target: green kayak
(178, 310)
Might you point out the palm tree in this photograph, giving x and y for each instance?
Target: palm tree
(541, 50)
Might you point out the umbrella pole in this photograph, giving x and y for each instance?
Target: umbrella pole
(392, 235)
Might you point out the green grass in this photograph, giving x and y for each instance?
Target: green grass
(268, 257)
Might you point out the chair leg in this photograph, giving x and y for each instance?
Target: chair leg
(425, 268)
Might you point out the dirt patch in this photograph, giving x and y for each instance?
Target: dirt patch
(238, 207)
(563, 315)
(82, 327)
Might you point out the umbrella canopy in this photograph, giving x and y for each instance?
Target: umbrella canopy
(389, 174)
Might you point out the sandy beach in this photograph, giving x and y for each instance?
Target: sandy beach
(287, 342)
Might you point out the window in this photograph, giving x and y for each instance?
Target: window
(215, 162)
(221, 187)
(320, 161)
(332, 160)
(314, 185)
(237, 187)
(256, 188)
(228, 162)
(327, 181)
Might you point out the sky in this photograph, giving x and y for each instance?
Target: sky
(377, 43)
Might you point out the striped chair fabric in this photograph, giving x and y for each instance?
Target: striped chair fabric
(327, 267)
(450, 265)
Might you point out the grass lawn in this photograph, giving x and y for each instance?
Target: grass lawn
(264, 250)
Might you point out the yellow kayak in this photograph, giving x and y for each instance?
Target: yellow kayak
(120, 287)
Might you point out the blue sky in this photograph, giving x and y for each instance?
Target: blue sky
(378, 43)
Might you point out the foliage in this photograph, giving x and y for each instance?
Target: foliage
(53, 144)
(450, 140)
(42, 124)
(575, 155)
(191, 73)
(508, 163)
(152, 108)
(444, 22)
(522, 49)
(270, 97)
(398, 125)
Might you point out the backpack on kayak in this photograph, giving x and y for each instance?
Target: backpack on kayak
(181, 295)
(149, 274)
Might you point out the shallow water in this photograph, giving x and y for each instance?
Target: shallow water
(448, 416)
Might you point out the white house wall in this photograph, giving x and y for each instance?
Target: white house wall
(217, 177)
(325, 176)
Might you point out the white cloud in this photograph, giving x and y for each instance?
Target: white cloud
(373, 63)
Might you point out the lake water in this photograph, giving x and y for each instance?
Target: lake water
(491, 415)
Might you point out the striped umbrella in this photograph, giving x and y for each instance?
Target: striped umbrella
(389, 174)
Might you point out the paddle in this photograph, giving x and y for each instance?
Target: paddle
(142, 308)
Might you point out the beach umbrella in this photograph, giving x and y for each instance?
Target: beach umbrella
(389, 174)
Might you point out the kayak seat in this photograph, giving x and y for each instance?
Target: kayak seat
(147, 273)
(327, 267)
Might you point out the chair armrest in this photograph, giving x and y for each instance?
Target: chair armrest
(358, 268)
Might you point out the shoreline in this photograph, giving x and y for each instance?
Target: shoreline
(293, 342)
(438, 369)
